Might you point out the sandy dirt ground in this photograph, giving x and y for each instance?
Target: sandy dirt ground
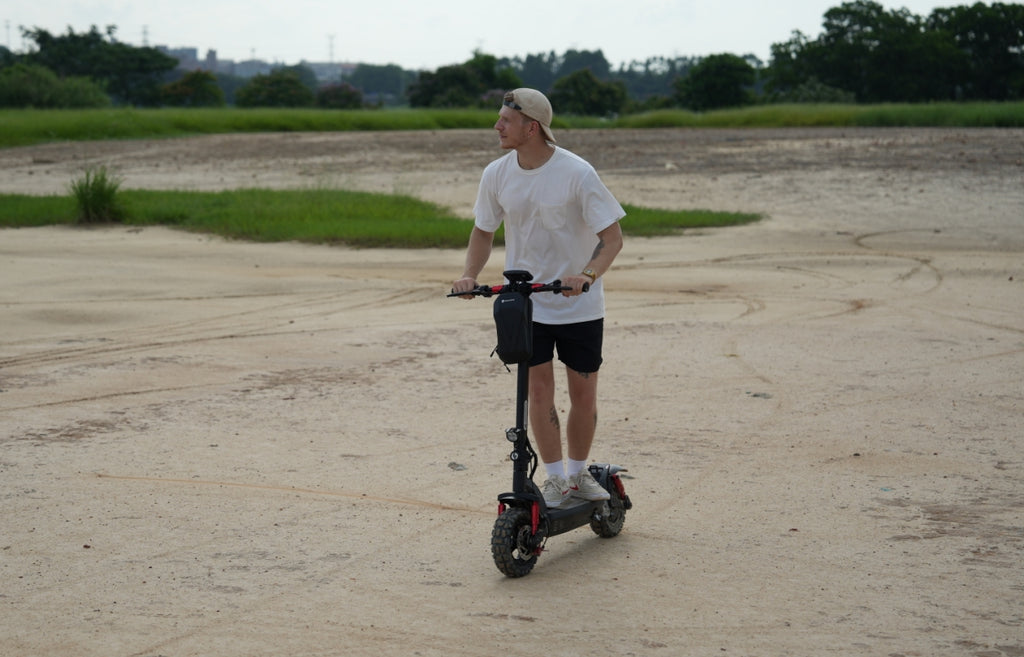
(233, 449)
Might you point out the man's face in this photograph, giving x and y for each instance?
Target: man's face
(513, 128)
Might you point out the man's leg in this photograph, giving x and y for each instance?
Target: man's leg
(582, 422)
(580, 435)
(547, 432)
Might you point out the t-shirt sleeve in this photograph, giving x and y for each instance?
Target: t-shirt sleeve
(600, 209)
(487, 212)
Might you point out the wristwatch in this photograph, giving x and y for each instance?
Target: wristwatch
(589, 272)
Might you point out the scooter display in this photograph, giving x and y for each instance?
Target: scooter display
(524, 521)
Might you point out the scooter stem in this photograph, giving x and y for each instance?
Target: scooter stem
(521, 455)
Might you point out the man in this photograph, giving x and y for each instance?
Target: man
(561, 222)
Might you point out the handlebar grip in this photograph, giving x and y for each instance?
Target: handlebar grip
(478, 291)
(586, 287)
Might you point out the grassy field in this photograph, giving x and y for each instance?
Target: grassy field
(359, 219)
(367, 220)
(27, 127)
(938, 115)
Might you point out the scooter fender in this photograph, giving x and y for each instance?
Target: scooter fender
(525, 500)
(606, 475)
(608, 468)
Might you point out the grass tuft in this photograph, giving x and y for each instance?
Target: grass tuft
(96, 195)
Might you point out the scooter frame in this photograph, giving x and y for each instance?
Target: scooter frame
(524, 521)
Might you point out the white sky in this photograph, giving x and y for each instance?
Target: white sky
(418, 34)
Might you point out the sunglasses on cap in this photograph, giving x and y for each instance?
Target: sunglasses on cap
(510, 101)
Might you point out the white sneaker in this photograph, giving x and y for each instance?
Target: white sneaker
(556, 491)
(585, 487)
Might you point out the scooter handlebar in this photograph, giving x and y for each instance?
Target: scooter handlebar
(490, 290)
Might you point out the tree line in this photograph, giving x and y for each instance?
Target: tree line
(864, 53)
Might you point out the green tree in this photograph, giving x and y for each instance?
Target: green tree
(538, 71)
(339, 96)
(717, 81)
(812, 91)
(990, 39)
(230, 84)
(279, 88)
(382, 83)
(490, 74)
(305, 74)
(464, 85)
(578, 60)
(194, 89)
(582, 93)
(650, 82)
(881, 55)
(790, 64)
(448, 86)
(35, 86)
(542, 70)
(130, 75)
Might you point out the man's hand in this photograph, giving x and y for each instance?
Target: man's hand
(464, 285)
(576, 283)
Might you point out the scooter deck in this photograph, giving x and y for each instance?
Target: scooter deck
(568, 518)
(562, 519)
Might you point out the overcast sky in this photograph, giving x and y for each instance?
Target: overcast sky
(426, 35)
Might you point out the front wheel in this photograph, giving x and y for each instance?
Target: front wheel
(513, 544)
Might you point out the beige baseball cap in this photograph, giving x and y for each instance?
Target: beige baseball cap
(534, 105)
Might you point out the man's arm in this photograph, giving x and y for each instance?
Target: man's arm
(608, 246)
(477, 253)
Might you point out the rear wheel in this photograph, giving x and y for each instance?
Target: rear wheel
(513, 544)
(609, 521)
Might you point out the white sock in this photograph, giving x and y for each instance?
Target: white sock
(576, 467)
(555, 468)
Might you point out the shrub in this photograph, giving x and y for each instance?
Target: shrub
(35, 86)
(583, 94)
(194, 89)
(280, 88)
(813, 91)
(339, 96)
(96, 195)
(717, 81)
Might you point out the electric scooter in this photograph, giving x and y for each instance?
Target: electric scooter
(524, 521)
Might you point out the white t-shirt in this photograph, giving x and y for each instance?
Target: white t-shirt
(552, 215)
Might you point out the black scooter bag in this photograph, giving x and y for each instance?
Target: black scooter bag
(513, 319)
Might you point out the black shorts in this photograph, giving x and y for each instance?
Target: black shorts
(579, 345)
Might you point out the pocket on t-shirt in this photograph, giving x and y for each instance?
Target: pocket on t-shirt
(552, 217)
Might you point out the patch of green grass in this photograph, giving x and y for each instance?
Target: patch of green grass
(320, 216)
(1000, 115)
(651, 222)
(25, 127)
(23, 211)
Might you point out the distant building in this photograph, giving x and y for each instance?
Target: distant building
(188, 60)
(250, 68)
(330, 71)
